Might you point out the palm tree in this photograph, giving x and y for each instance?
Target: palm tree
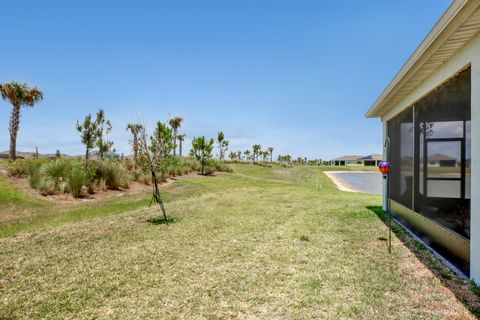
(270, 151)
(135, 129)
(18, 95)
(181, 139)
(175, 123)
(256, 151)
(247, 155)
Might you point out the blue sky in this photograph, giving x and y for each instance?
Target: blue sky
(296, 75)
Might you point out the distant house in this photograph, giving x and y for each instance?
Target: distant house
(441, 160)
(371, 160)
(346, 161)
(430, 113)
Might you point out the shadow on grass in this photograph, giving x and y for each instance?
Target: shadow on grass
(161, 220)
(464, 290)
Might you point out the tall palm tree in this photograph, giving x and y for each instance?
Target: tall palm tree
(256, 151)
(270, 151)
(18, 94)
(175, 123)
(181, 139)
(135, 129)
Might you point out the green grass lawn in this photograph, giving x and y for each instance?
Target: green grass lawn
(258, 243)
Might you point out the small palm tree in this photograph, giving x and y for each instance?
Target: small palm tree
(18, 95)
(175, 123)
(270, 151)
(247, 155)
(256, 151)
(135, 129)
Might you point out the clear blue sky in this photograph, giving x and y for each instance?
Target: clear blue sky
(296, 75)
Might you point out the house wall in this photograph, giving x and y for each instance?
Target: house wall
(468, 55)
(353, 163)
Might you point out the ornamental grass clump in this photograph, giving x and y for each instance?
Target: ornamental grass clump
(45, 186)
(114, 174)
(75, 179)
(56, 171)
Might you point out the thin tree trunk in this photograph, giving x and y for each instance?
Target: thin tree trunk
(14, 126)
(135, 149)
(86, 158)
(180, 148)
(174, 142)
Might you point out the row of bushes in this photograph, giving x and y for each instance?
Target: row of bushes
(70, 175)
(178, 167)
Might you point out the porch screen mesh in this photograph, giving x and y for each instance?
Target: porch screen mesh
(443, 148)
(430, 155)
(400, 130)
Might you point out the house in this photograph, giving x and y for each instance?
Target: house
(346, 161)
(441, 160)
(371, 160)
(431, 126)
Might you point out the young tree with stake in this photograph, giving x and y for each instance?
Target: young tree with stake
(104, 127)
(222, 145)
(88, 132)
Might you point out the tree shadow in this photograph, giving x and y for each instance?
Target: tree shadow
(161, 220)
(464, 290)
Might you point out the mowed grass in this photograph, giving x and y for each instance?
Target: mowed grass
(259, 243)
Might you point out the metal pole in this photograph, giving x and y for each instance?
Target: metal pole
(386, 147)
(389, 219)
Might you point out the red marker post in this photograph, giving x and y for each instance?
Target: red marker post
(384, 167)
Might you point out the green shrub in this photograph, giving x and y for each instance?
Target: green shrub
(75, 179)
(191, 163)
(210, 167)
(34, 178)
(23, 167)
(45, 186)
(224, 168)
(213, 165)
(63, 187)
(160, 177)
(56, 170)
(145, 179)
(102, 185)
(114, 174)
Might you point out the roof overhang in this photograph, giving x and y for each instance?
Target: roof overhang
(458, 25)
